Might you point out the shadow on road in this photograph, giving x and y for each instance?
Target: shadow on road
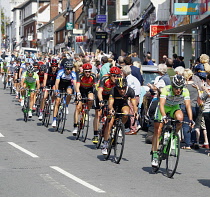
(204, 182)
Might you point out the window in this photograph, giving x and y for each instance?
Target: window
(124, 10)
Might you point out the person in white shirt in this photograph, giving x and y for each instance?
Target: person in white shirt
(134, 83)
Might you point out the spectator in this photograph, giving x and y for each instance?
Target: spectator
(138, 65)
(149, 60)
(105, 66)
(181, 63)
(134, 70)
(179, 70)
(135, 58)
(134, 84)
(175, 61)
(170, 70)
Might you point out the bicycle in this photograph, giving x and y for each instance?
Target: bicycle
(47, 108)
(83, 124)
(102, 124)
(4, 79)
(169, 147)
(38, 102)
(61, 115)
(117, 138)
(11, 84)
(25, 107)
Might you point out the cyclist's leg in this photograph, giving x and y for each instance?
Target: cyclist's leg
(125, 109)
(177, 114)
(91, 97)
(69, 91)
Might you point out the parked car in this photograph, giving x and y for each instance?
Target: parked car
(149, 74)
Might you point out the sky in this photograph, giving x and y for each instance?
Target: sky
(6, 5)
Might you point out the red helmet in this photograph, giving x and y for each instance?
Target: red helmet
(54, 62)
(40, 63)
(87, 66)
(115, 70)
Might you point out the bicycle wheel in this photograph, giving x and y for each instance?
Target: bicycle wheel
(119, 143)
(110, 145)
(47, 113)
(173, 150)
(11, 87)
(100, 134)
(5, 82)
(25, 109)
(38, 101)
(86, 126)
(62, 118)
(80, 125)
(58, 117)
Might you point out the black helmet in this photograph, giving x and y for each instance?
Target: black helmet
(42, 67)
(68, 64)
(30, 69)
(121, 83)
(54, 62)
(178, 81)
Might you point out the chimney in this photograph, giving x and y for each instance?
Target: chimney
(53, 8)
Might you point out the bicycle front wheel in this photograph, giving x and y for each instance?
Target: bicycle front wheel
(100, 135)
(62, 118)
(173, 151)
(119, 143)
(86, 125)
(47, 113)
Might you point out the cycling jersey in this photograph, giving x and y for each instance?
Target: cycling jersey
(51, 77)
(119, 100)
(172, 99)
(65, 80)
(106, 84)
(86, 82)
(41, 76)
(30, 81)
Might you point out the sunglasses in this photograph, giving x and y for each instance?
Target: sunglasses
(114, 75)
(177, 88)
(87, 71)
(68, 68)
(121, 88)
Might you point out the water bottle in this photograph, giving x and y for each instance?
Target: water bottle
(166, 136)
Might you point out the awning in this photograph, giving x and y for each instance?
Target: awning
(185, 29)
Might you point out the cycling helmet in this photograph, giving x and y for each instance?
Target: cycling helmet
(30, 69)
(115, 70)
(68, 64)
(54, 62)
(121, 83)
(42, 67)
(178, 81)
(87, 67)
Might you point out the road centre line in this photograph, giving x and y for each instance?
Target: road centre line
(1, 135)
(77, 179)
(23, 149)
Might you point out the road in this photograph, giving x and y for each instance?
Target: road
(38, 162)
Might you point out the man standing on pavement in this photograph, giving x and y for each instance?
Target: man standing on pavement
(134, 70)
(136, 86)
(170, 70)
(105, 66)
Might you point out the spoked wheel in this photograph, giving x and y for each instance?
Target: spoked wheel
(47, 113)
(38, 101)
(173, 151)
(11, 87)
(62, 116)
(5, 83)
(80, 126)
(100, 134)
(111, 143)
(119, 143)
(86, 125)
(25, 109)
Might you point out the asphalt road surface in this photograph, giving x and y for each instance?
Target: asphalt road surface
(36, 161)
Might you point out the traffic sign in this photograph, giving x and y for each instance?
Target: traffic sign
(69, 26)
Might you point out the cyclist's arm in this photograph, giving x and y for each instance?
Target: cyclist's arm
(77, 87)
(37, 84)
(57, 81)
(100, 97)
(45, 79)
(189, 109)
(162, 104)
(74, 83)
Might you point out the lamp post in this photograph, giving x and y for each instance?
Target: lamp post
(70, 25)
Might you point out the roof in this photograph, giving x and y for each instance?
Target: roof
(41, 9)
(61, 27)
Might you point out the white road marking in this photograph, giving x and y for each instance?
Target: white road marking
(77, 179)
(23, 149)
(1, 135)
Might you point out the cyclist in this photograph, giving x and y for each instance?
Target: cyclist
(17, 77)
(170, 99)
(49, 82)
(30, 80)
(118, 102)
(84, 89)
(65, 81)
(106, 83)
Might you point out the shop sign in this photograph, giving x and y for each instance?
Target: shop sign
(69, 26)
(80, 38)
(155, 29)
(186, 8)
(101, 35)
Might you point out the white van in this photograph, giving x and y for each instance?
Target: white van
(23, 50)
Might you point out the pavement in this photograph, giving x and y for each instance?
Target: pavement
(36, 161)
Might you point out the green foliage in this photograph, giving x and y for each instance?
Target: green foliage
(4, 19)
